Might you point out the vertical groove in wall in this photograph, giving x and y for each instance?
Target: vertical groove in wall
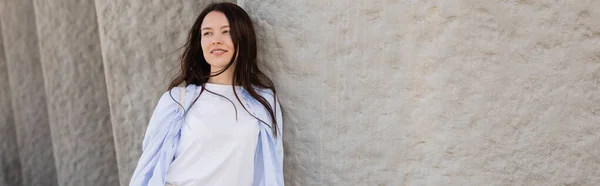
(78, 107)
(53, 136)
(107, 88)
(10, 165)
(27, 93)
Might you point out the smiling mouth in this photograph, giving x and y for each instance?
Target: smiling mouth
(218, 51)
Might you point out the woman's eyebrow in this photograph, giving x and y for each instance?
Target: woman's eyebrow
(209, 28)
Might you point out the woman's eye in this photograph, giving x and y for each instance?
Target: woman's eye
(226, 32)
(206, 33)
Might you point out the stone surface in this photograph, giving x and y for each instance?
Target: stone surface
(10, 167)
(78, 108)
(435, 92)
(27, 93)
(140, 42)
(374, 92)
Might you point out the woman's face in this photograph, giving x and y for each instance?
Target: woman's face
(217, 46)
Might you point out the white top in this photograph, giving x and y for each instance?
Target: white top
(215, 148)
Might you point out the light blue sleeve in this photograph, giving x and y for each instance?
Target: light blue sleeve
(161, 122)
(279, 138)
(166, 109)
(274, 102)
(278, 142)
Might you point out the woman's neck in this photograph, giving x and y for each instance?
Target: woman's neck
(225, 78)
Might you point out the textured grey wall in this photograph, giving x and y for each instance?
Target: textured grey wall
(27, 93)
(374, 92)
(139, 49)
(436, 92)
(9, 160)
(79, 113)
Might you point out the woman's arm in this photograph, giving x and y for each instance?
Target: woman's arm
(164, 113)
(279, 140)
(162, 119)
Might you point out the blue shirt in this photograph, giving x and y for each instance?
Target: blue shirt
(164, 132)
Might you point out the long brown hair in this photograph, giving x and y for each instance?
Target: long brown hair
(195, 70)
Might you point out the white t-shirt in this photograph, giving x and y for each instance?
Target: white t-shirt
(215, 148)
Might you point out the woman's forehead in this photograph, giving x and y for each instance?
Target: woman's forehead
(215, 20)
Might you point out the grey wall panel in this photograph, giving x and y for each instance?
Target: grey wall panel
(139, 48)
(10, 166)
(27, 92)
(435, 92)
(76, 90)
(374, 92)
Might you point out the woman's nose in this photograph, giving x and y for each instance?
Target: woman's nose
(215, 41)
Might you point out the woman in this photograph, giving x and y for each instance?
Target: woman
(226, 130)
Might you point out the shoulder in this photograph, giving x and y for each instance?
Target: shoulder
(267, 94)
(264, 91)
(170, 100)
(173, 96)
(169, 97)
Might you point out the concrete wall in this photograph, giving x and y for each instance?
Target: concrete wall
(9, 158)
(28, 98)
(436, 92)
(79, 113)
(374, 92)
